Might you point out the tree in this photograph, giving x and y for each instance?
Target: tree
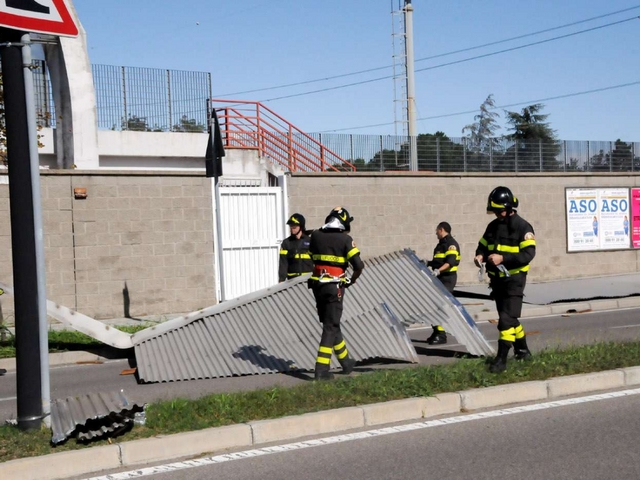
(535, 145)
(189, 125)
(620, 159)
(436, 152)
(481, 135)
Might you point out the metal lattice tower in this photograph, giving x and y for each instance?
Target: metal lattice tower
(398, 36)
(404, 82)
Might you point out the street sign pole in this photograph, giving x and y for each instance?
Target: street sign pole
(23, 237)
(34, 160)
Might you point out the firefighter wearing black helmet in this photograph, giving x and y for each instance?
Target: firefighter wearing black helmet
(446, 258)
(507, 246)
(332, 250)
(295, 259)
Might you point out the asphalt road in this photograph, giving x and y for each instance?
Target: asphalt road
(594, 439)
(544, 331)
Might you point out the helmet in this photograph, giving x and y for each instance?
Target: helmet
(297, 219)
(343, 217)
(501, 199)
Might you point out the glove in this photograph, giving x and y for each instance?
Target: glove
(435, 272)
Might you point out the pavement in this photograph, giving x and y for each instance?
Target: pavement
(252, 434)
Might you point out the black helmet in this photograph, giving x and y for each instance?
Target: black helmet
(501, 199)
(342, 215)
(298, 220)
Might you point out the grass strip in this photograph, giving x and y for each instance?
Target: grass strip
(182, 415)
(66, 340)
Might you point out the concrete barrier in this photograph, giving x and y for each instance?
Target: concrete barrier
(185, 444)
(503, 394)
(583, 383)
(285, 428)
(631, 376)
(394, 411)
(62, 465)
(442, 404)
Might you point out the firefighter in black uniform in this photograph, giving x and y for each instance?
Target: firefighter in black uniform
(507, 246)
(295, 259)
(332, 250)
(446, 258)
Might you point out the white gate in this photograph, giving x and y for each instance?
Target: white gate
(252, 228)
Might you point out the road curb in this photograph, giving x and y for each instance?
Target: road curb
(58, 359)
(214, 440)
(566, 308)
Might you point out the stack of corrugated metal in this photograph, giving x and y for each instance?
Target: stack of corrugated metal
(91, 417)
(276, 329)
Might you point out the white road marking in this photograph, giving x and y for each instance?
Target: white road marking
(170, 467)
(6, 399)
(626, 326)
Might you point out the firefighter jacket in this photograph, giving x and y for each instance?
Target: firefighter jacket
(332, 251)
(447, 251)
(295, 259)
(514, 239)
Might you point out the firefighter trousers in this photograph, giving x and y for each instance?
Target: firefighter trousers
(329, 298)
(449, 280)
(508, 293)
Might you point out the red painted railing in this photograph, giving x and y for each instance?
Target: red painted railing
(252, 126)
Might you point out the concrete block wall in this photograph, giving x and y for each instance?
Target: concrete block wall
(142, 238)
(394, 211)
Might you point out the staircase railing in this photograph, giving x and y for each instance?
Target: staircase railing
(252, 126)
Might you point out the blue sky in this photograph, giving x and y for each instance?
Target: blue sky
(257, 44)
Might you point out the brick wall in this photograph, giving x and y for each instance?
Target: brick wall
(148, 233)
(395, 211)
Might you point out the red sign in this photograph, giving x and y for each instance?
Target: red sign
(635, 217)
(42, 16)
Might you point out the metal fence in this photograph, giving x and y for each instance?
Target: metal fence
(147, 99)
(439, 153)
(139, 99)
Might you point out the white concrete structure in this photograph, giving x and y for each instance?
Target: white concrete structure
(74, 95)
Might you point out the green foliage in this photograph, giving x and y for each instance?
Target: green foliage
(65, 340)
(436, 152)
(482, 134)
(620, 159)
(535, 147)
(189, 125)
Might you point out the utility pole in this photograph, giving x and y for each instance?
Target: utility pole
(411, 87)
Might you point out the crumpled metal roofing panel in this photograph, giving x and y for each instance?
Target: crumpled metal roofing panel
(276, 329)
(91, 416)
(255, 338)
(409, 289)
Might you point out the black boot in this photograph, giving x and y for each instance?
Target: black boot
(348, 364)
(323, 375)
(499, 363)
(438, 337)
(521, 350)
(322, 372)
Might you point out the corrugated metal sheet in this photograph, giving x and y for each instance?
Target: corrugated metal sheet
(91, 416)
(258, 338)
(405, 284)
(275, 329)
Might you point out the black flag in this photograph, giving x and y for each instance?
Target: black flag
(215, 149)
